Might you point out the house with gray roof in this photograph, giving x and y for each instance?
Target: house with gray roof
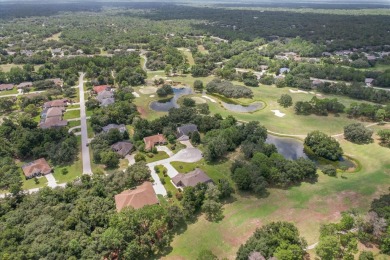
(284, 70)
(121, 128)
(122, 148)
(105, 98)
(191, 179)
(184, 131)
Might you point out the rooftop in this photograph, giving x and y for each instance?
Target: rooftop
(141, 196)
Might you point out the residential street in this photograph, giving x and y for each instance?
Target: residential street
(84, 133)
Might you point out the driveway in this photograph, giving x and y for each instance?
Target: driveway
(186, 155)
(84, 132)
(51, 181)
(165, 149)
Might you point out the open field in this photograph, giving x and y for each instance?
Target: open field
(188, 55)
(320, 202)
(7, 67)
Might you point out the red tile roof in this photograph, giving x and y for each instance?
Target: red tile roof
(151, 141)
(6, 86)
(141, 196)
(101, 88)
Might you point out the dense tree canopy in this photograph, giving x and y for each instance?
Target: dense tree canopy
(323, 146)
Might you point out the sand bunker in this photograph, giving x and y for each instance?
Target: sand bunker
(278, 113)
(151, 96)
(148, 90)
(135, 94)
(299, 91)
(209, 98)
(198, 100)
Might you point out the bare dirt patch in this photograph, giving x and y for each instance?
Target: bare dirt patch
(142, 111)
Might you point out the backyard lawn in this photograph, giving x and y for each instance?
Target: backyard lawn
(9, 92)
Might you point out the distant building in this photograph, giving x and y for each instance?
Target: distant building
(122, 148)
(369, 82)
(191, 179)
(184, 131)
(121, 128)
(154, 140)
(105, 98)
(53, 122)
(5, 87)
(25, 85)
(284, 70)
(101, 88)
(58, 82)
(141, 196)
(56, 103)
(36, 168)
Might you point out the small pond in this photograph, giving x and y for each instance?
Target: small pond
(288, 147)
(242, 109)
(164, 105)
(293, 149)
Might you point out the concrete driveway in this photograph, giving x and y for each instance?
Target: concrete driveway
(165, 149)
(51, 181)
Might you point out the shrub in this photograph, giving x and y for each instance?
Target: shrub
(139, 157)
(329, 170)
(358, 133)
(162, 181)
(179, 196)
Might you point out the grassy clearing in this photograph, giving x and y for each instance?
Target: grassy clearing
(9, 92)
(74, 123)
(188, 55)
(72, 114)
(75, 170)
(54, 37)
(156, 157)
(202, 50)
(8, 67)
(320, 202)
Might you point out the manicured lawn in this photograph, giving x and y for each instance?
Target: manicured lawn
(90, 130)
(156, 157)
(30, 183)
(74, 123)
(74, 170)
(306, 205)
(168, 185)
(9, 92)
(72, 114)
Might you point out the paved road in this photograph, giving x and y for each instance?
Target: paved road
(84, 132)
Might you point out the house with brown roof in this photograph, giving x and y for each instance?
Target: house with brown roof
(137, 198)
(154, 140)
(122, 148)
(56, 103)
(101, 88)
(191, 179)
(55, 112)
(25, 85)
(58, 82)
(53, 122)
(36, 168)
(4, 87)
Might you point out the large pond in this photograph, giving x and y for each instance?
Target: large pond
(243, 109)
(288, 147)
(164, 105)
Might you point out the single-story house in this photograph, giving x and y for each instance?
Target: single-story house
(107, 101)
(139, 197)
(121, 128)
(317, 82)
(369, 82)
(153, 140)
(284, 70)
(25, 85)
(36, 168)
(55, 112)
(191, 179)
(4, 87)
(184, 131)
(56, 103)
(104, 95)
(53, 122)
(101, 88)
(122, 148)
